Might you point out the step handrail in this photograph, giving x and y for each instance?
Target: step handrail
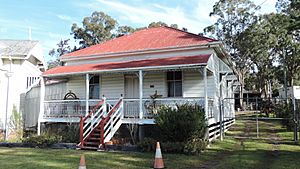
(83, 120)
(112, 110)
(100, 103)
(107, 118)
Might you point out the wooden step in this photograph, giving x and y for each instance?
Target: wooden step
(97, 130)
(89, 148)
(91, 143)
(95, 134)
(94, 139)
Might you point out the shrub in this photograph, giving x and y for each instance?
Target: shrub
(147, 145)
(283, 110)
(172, 147)
(42, 140)
(195, 146)
(69, 133)
(181, 123)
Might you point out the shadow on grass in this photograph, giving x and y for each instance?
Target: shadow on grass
(261, 159)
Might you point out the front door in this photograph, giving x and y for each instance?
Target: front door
(131, 87)
(131, 106)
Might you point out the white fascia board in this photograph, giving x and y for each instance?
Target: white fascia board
(231, 77)
(139, 52)
(129, 69)
(12, 57)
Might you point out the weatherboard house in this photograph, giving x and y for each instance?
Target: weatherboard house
(110, 84)
(21, 65)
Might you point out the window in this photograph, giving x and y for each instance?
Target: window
(31, 81)
(94, 87)
(174, 80)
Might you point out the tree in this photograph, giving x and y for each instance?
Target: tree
(292, 9)
(288, 32)
(95, 29)
(124, 30)
(261, 52)
(157, 24)
(63, 47)
(233, 17)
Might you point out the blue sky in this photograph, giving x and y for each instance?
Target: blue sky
(51, 20)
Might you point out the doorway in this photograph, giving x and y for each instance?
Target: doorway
(131, 102)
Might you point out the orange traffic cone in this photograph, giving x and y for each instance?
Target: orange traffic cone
(158, 163)
(82, 163)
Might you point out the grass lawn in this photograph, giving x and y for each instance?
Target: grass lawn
(230, 153)
(24, 158)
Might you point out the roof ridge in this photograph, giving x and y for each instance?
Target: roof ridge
(197, 35)
(19, 40)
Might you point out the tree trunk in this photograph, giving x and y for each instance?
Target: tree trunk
(241, 92)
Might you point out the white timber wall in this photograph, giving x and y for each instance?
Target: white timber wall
(18, 82)
(193, 84)
(31, 101)
(155, 81)
(77, 85)
(217, 66)
(112, 85)
(213, 65)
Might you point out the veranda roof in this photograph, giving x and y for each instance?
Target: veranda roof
(129, 65)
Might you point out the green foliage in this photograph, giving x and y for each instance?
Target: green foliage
(95, 29)
(16, 124)
(172, 147)
(233, 18)
(157, 24)
(43, 140)
(180, 123)
(283, 110)
(69, 133)
(148, 145)
(63, 47)
(261, 45)
(195, 146)
(124, 30)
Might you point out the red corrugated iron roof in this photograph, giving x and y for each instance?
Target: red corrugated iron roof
(151, 38)
(77, 69)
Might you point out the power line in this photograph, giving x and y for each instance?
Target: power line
(260, 4)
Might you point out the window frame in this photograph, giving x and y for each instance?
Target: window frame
(173, 82)
(93, 83)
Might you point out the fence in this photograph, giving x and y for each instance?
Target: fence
(258, 114)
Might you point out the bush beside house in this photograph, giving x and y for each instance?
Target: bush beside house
(180, 130)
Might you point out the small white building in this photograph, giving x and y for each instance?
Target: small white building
(113, 82)
(21, 64)
(292, 92)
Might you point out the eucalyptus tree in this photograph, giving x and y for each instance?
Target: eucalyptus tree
(63, 47)
(233, 18)
(95, 29)
(259, 42)
(289, 40)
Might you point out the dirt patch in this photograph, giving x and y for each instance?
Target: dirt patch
(215, 160)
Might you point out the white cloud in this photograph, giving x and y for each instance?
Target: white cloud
(147, 13)
(195, 18)
(65, 17)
